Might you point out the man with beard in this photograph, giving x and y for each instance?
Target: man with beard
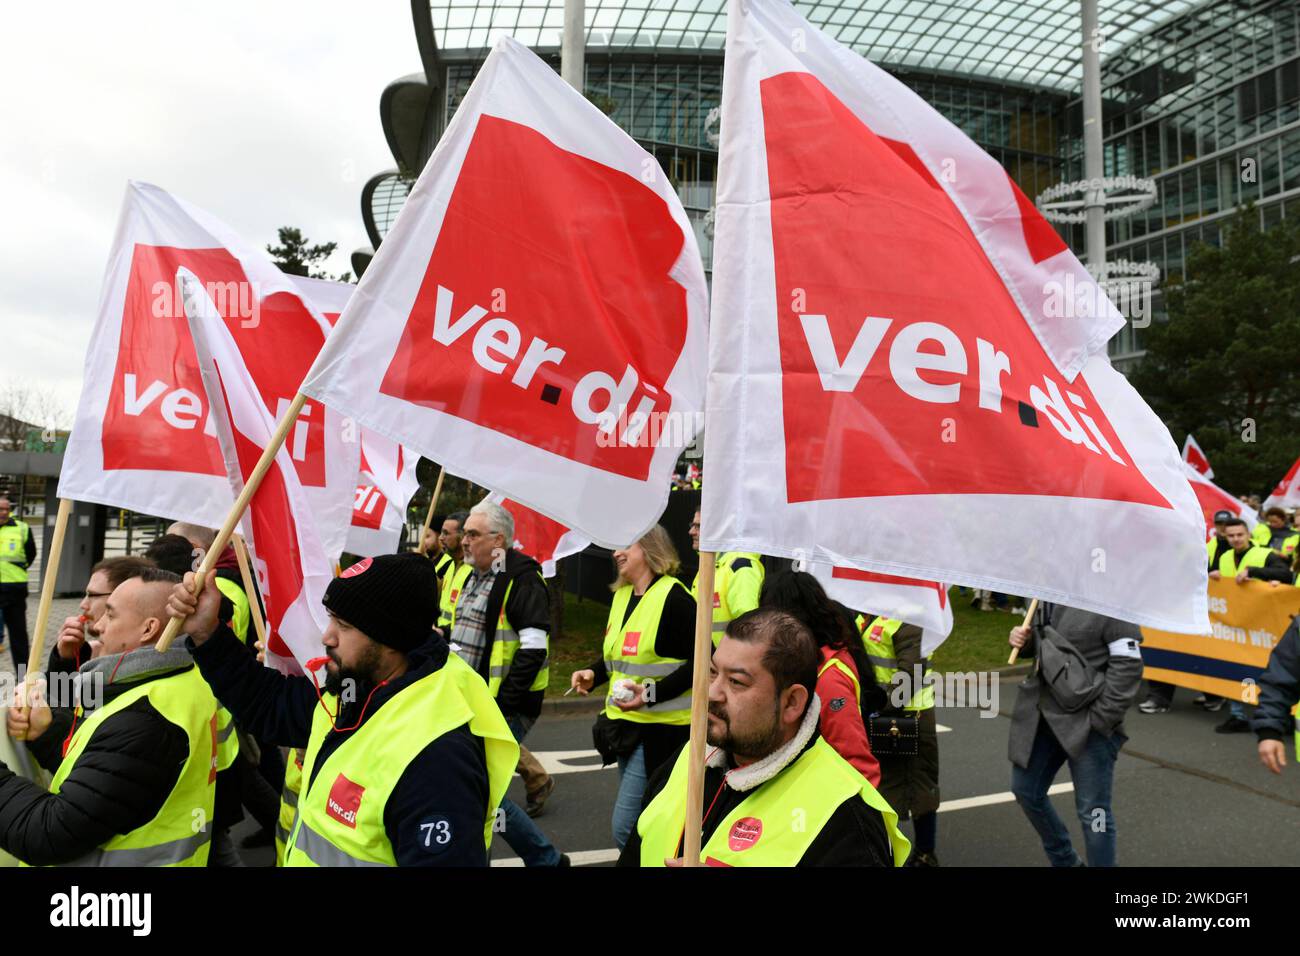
(775, 793)
(407, 755)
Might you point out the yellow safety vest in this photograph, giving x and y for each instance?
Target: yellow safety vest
(505, 644)
(181, 832)
(227, 739)
(727, 606)
(13, 552)
(1263, 534)
(288, 801)
(630, 653)
(878, 639)
(341, 809)
(452, 584)
(1255, 557)
(758, 831)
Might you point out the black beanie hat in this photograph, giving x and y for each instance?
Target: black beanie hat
(393, 598)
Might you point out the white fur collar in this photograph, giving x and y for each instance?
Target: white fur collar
(743, 779)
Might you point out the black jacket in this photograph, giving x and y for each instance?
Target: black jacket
(1279, 688)
(447, 781)
(120, 782)
(855, 835)
(529, 607)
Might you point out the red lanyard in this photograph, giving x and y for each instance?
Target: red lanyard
(314, 665)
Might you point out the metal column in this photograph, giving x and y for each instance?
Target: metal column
(1093, 166)
(573, 46)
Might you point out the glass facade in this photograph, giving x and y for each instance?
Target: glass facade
(1207, 105)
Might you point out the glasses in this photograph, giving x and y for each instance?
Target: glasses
(475, 535)
(91, 595)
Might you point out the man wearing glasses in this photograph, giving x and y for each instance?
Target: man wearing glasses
(499, 626)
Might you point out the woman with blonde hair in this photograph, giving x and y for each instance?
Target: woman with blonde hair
(647, 660)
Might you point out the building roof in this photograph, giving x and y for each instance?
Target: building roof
(1035, 42)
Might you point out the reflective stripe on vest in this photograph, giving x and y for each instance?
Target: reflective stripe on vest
(757, 832)
(288, 802)
(630, 653)
(878, 639)
(505, 644)
(1256, 556)
(340, 818)
(724, 609)
(13, 552)
(169, 839)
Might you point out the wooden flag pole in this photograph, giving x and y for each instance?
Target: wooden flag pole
(254, 605)
(1029, 616)
(241, 505)
(433, 503)
(49, 572)
(699, 710)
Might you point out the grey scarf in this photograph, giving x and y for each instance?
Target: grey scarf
(92, 678)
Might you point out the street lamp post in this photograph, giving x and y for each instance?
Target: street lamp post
(573, 45)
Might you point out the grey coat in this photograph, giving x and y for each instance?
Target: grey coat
(1104, 644)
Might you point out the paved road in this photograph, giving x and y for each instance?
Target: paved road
(1184, 795)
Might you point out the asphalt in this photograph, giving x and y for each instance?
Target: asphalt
(1183, 795)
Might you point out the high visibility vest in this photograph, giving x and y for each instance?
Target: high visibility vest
(443, 564)
(181, 832)
(1263, 534)
(341, 808)
(13, 552)
(758, 831)
(878, 639)
(227, 739)
(727, 608)
(288, 802)
(452, 584)
(630, 653)
(1255, 557)
(504, 647)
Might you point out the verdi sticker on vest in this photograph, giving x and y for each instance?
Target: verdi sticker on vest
(630, 641)
(744, 833)
(344, 801)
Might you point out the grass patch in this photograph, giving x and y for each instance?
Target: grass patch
(978, 641)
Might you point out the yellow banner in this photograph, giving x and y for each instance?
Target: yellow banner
(1246, 621)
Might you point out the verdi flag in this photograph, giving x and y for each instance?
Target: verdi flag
(293, 569)
(923, 603)
(143, 437)
(1287, 492)
(1193, 455)
(894, 381)
(535, 319)
(384, 489)
(1212, 498)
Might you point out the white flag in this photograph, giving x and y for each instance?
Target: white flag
(895, 381)
(292, 567)
(535, 319)
(923, 603)
(1287, 492)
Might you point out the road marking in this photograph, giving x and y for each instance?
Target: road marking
(941, 729)
(965, 803)
(592, 857)
(578, 858)
(570, 761)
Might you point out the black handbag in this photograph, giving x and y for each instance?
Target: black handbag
(894, 734)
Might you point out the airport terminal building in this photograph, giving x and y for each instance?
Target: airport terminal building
(1201, 97)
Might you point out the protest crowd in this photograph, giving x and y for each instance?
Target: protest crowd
(281, 653)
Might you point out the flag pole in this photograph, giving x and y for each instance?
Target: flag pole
(241, 505)
(246, 573)
(49, 572)
(699, 710)
(433, 503)
(1029, 616)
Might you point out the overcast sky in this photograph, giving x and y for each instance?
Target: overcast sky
(263, 113)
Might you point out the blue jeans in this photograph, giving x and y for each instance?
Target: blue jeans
(521, 833)
(631, 788)
(1238, 710)
(1092, 773)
